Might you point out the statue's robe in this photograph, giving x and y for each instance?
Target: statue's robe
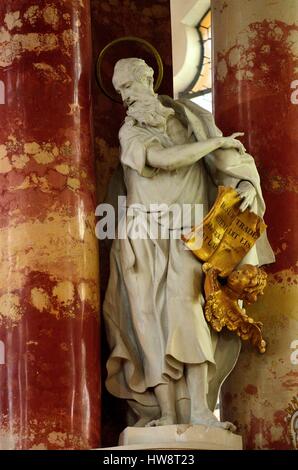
(153, 307)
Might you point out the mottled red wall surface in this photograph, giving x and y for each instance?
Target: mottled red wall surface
(49, 382)
(263, 84)
(256, 61)
(112, 19)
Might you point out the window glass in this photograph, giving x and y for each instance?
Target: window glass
(200, 90)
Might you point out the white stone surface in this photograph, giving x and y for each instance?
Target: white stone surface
(181, 436)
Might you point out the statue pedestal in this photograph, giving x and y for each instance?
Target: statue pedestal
(179, 436)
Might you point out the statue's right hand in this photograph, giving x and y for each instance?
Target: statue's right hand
(232, 142)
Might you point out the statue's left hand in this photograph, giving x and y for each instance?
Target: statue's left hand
(247, 193)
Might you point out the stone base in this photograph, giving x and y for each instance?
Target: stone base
(179, 436)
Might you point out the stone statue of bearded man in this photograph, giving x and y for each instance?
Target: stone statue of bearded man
(165, 360)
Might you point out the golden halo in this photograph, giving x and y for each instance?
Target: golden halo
(141, 41)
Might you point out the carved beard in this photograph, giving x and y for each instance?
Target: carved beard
(150, 112)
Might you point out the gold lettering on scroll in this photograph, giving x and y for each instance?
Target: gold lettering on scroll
(228, 234)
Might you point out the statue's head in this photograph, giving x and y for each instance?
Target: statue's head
(133, 79)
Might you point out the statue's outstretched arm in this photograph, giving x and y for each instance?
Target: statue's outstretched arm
(178, 156)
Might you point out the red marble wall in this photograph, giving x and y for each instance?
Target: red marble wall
(111, 19)
(49, 381)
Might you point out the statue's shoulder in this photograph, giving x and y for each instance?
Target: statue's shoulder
(195, 108)
(203, 115)
(185, 108)
(182, 103)
(130, 129)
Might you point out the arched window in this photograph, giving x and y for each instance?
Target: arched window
(200, 89)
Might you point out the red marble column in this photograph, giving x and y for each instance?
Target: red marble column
(49, 346)
(256, 64)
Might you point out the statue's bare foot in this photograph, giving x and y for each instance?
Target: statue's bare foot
(207, 418)
(163, 421)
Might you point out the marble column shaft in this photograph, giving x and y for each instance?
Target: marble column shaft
(255, 78)
(49, 328)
